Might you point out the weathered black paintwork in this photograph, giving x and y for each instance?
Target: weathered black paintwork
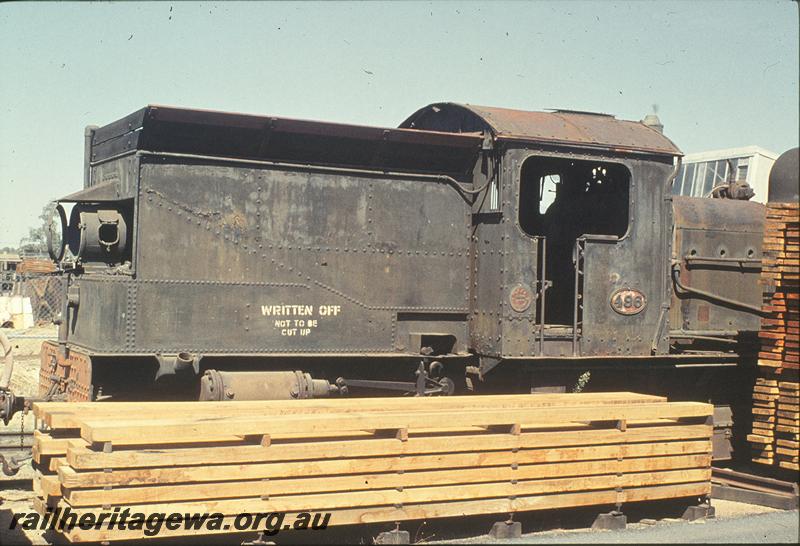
(229, 213)
(717, 244)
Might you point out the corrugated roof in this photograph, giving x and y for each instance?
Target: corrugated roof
(558, 127)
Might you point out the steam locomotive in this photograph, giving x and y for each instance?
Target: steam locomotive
(221, 256)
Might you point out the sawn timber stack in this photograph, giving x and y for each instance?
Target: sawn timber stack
(369, 460)
(776, 419)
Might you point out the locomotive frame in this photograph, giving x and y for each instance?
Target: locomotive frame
(208, 240)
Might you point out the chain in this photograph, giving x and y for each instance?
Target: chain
(22, 427)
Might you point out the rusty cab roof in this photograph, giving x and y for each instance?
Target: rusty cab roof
(212, 133)
(560, 127)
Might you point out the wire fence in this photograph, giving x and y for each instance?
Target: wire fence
(46, 292)
(7, 281)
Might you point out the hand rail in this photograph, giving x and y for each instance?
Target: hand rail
(676, 278)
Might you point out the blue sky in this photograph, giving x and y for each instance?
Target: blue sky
(721, 74)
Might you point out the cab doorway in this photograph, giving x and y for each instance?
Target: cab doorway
(560, 201)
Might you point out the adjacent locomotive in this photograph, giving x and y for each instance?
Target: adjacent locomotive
(229, 256)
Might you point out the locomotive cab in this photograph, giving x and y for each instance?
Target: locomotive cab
(579, 234)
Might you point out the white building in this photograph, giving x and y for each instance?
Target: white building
(704, 171)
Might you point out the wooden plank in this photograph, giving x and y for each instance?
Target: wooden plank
(283, 486)
(766, 422)
(766, 390)
(50, 486)
(788, 443)
(36, 484)
(763, 460)
(133, 432)
(70, 414)
(231, 472)
(763, 430)
(80, 457)
(414, 495)
(56, 462)
(371, 434)
(766, 397)
(761, 419)
(433, 510)
(47, 445)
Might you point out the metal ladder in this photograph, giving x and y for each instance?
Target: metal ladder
(542, 284)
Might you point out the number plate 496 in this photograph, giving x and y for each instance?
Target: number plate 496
(628, 301)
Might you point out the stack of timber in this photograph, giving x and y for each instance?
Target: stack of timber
(776, 421)
(786, 435)
(368, 460)
(33, 266)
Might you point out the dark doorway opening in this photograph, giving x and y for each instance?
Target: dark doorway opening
(562, 200)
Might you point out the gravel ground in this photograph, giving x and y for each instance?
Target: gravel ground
(14, 501)
(735, 523)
